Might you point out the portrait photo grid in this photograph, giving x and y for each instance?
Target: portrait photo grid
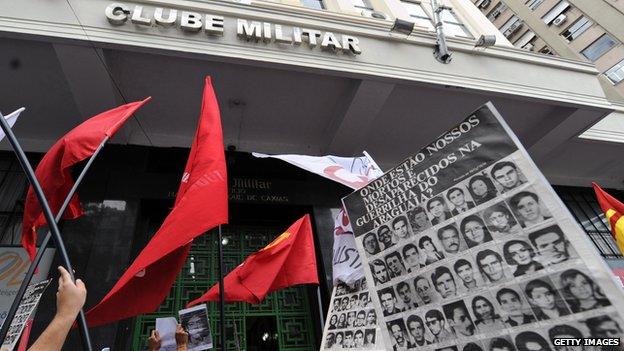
(490, 261)
(352, 320)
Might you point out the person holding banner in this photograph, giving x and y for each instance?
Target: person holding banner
(70, 298)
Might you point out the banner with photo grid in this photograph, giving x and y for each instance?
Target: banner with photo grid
(466, 247)
(352, 320)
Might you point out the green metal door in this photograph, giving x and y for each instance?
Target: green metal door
(289, 308)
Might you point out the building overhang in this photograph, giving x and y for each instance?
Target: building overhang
(70, 63)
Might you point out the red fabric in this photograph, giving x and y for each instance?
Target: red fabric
(201, 204)
(23, 343)
(608, 202)
(289, 260)
(54, 170)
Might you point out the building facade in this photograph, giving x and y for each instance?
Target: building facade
(309, 77)
(590, 31)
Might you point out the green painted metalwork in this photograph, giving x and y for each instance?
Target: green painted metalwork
(290, 307)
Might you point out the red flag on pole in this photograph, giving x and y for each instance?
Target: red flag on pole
(289, 260)
(201, 204)
(614, 211)
(54, 170)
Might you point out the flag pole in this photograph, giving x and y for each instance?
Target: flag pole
(30, 174)
(221, 290)
(320, 304)
(44, 244)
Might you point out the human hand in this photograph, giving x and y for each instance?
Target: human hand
(70, 296)
(181, 336)
(153, 342)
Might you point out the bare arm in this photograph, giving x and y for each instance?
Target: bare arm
(70, 298)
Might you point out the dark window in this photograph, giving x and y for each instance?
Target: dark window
(587, 212)
(577, 28)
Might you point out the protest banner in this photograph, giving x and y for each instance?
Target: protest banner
(466, 246)
(352, 320)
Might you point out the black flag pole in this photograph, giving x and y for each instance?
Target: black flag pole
(44, 244)
(56, 235)
(221, 291)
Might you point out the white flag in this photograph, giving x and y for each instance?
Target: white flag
(346, 263)
(354, 172)
(11, 119)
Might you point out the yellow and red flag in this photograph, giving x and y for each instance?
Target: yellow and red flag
(289, 260)
(614, 210)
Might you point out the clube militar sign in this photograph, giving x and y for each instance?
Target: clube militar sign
(467, 247)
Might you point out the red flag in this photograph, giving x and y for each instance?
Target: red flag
(289, 260)
(54, 170)
(614, 211)
(23, 343)
(201, 204)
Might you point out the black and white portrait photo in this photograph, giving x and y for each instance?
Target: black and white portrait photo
(435, 322)
(520, 255)
(482, 189)
(395, 265)
(500, 221)
(512, 305)
(370, 243)
(528, 209)
(400, 229)
(380, 271)
(429, 252)
(194, 320)
(438, 210)
(580, 291)
(388, 300)
(418, 219)
(474, 231)
(424, 290)
(459, 200)
(411, 257)
(417, 331)
(487, 318)
(551, 245)
(384, 237)
(406, 295)
(544, 299)
(459, 319)
(507, 175)
(490, 265)
(468, 275)
(450, 240)
(530, 341)
(398, 333)
(444, 282)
